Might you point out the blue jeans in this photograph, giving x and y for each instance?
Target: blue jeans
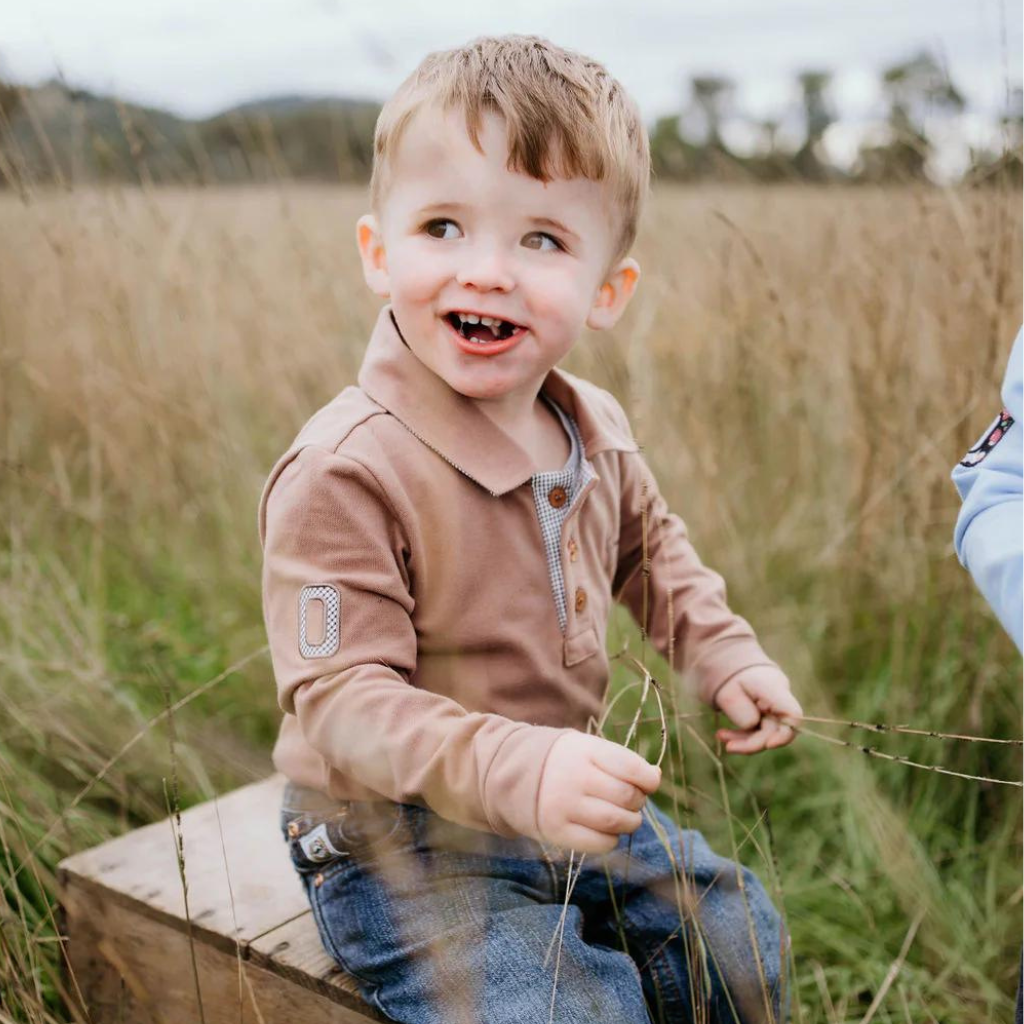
(440, 924)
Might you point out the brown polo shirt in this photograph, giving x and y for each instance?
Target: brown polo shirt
(411, 591)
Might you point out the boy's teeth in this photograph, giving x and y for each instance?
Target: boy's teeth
(494, 324)
(473, 318)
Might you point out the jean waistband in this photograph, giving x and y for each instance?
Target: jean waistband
(306, 800)
(299, 799)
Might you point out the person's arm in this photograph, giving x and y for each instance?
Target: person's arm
(337, 606)
(989, 532)
(712, 645)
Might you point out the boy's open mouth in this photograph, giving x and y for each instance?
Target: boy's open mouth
(482, 329)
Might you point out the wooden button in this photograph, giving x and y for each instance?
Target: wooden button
(557, 497)
(574, 550)
(581, 599)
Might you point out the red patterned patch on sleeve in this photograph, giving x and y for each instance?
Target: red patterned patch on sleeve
(995, 433)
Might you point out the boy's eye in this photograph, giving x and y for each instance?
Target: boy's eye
(541, 240)
(442, 229)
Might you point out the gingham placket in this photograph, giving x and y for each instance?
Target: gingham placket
(573, 477)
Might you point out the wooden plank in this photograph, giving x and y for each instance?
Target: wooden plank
(131, 967)
(140, 869)
(125, 914)
(294, 951)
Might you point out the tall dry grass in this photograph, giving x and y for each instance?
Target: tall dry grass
(803, 368)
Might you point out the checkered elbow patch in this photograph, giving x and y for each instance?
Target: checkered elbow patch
(329, 642)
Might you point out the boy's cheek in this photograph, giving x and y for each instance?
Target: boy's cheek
(416, 278)
(560, 299)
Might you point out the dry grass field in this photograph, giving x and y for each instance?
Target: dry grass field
(803, 368)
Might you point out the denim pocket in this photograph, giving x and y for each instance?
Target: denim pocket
(317, 841)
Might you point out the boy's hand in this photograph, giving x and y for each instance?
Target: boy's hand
(755, 699)
(591, 792)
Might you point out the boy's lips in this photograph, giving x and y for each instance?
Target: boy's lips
(475, 347)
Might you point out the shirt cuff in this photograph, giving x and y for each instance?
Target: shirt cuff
(511, 784)
(724, 661)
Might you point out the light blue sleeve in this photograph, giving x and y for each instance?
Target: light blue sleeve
(989, 534)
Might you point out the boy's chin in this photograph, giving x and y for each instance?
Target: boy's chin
(478, 392)
(482, 390)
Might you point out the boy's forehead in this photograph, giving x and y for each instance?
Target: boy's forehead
(430, 131)
(436, 162)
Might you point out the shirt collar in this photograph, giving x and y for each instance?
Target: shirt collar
(572, 464)
(453, 425)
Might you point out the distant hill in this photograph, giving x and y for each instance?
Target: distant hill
(290, 104)
(53, 134)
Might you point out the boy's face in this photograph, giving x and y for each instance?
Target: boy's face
(459, 233)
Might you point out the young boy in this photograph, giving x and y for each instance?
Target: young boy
(442, 546)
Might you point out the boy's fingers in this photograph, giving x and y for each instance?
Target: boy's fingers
(602, 816)
(743, 742)
(769, 735)
(624, 764)
(779, 734)
(586, 840)
(786, 705)
(739, 708)
(615, 790)
(728, 735)
(783, 735)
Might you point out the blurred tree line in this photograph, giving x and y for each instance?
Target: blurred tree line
(920, 100)
(53, 134)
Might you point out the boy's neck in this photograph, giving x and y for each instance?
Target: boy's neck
(536, 428)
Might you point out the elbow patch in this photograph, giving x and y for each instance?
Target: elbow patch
(319, 625)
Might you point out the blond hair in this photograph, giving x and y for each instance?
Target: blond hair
(565, 116)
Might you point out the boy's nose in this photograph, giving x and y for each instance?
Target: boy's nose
(485, 271)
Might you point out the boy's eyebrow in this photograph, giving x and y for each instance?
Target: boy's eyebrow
(438, 208)
(557, 225)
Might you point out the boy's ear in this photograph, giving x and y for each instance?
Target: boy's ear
(614, 295)
(371, 249)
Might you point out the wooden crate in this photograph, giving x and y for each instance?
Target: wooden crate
(258, 961)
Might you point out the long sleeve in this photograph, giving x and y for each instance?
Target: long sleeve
(711, 643)
(989, 532)
(338, 609)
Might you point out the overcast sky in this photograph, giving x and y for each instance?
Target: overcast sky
(196, 57)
